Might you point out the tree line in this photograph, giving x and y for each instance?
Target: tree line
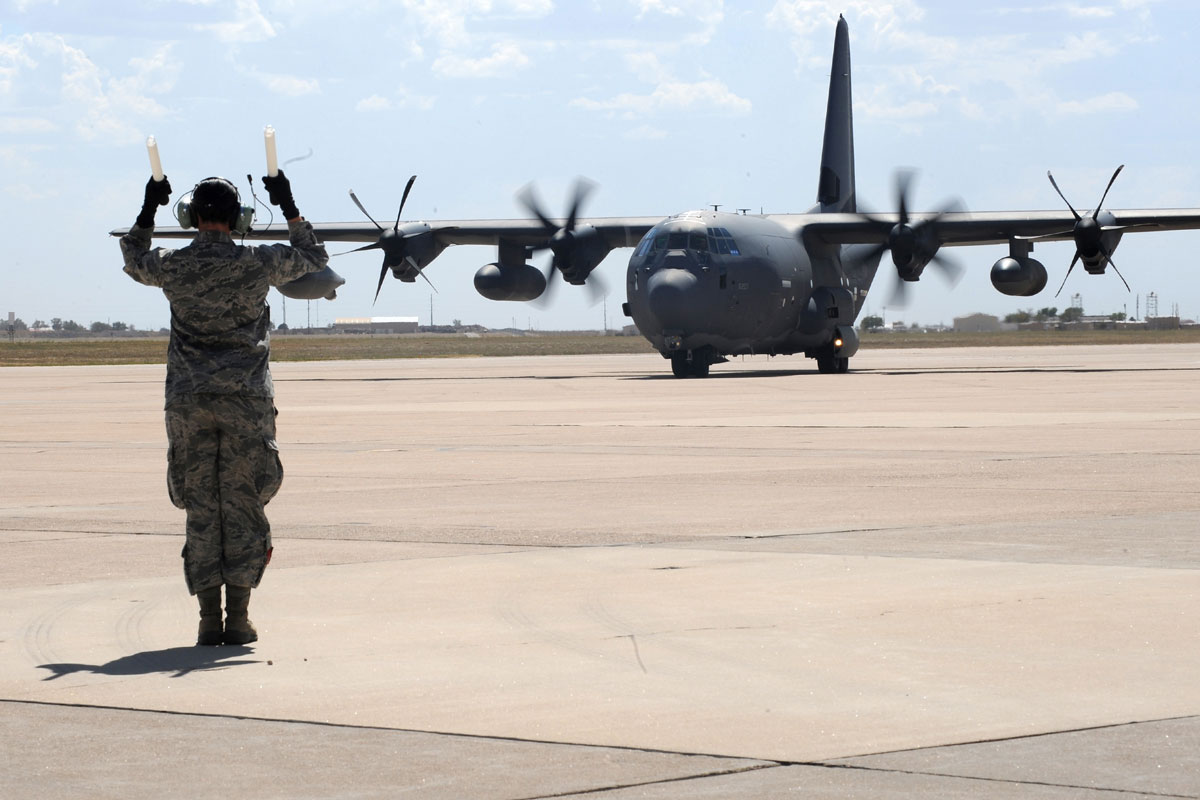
(70, 326)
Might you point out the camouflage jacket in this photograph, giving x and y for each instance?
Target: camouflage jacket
(220, 321)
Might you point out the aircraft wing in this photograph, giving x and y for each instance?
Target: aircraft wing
(410, 247)
(990, 227)
(615, 231)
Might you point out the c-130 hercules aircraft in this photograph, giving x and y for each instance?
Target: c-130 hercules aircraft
(703, 285)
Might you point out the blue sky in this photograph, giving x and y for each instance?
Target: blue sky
(667, 105)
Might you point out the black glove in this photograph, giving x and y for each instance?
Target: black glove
(279, 190)
(158, 193)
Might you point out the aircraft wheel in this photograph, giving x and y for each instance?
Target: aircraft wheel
(694, 367)
(680, 367)
(833, 364)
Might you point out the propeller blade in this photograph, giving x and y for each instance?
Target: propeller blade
(403, 200)
(950, 267)
(597, 288)
(1119, 275)
(1103, 196)
(382, 275)
(899, 296)
(1108, 258)
(543, 300)
(1074, 261)
(583, 188)
(904, 179)
(528, 198)
(363, 209)
(412, 262)
(1064, 197)
(875, 252)
(372, 246)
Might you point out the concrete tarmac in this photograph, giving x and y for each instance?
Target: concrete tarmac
(951, 573)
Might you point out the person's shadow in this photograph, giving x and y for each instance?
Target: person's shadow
(178, 661)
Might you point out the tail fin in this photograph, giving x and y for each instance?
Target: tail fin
(835, 192)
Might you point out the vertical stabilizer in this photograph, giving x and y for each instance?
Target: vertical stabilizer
(835, 191)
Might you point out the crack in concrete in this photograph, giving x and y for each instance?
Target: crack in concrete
(641, 784)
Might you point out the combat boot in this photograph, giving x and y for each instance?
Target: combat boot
(210, 617)
(238, 627)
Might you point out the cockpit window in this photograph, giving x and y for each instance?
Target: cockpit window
(714, 240)
(720, 240)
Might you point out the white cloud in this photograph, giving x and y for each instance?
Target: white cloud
(1113, 101)
(288, 85)
(373, 103)
(43, 70)
(672, 96)
(1088, 12)
(14, 57)
(647, 67)
(707, 14)
(248, 25)
(998, 71)
(445, 25)
(401, 97)
(21, 125)
(645, 133)
(25, 193)
(445, 21)
(22, 157)
(669, 93)
(809, 18)
(506, 58)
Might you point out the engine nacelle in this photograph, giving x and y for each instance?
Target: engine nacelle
(578, 253)
(1018, 277)
(498, 282)
(313, 286)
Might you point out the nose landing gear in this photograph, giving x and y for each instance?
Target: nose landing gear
(831, 363)
(690, 363)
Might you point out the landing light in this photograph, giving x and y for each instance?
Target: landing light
(838, 342)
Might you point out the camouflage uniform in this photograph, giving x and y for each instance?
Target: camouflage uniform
(223, 462)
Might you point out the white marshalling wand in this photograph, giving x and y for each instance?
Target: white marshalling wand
(155, 164)
(272, 159)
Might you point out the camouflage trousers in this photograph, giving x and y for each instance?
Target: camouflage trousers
(222, 468)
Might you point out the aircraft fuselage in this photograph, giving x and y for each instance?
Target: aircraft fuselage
(715, 284)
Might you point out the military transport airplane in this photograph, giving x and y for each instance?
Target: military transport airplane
(703, 285)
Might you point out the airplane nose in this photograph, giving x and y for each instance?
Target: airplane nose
(668, 292)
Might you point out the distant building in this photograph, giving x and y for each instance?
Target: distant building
(1163, 323)
(375, 325)
(981, 323)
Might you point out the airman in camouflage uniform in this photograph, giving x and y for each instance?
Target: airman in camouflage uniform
(223, 462)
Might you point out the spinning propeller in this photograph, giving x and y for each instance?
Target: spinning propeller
(393, 243)
(1088, 234)
(576, 251)
(913, 244)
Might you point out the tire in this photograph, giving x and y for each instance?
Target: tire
(679, 365)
